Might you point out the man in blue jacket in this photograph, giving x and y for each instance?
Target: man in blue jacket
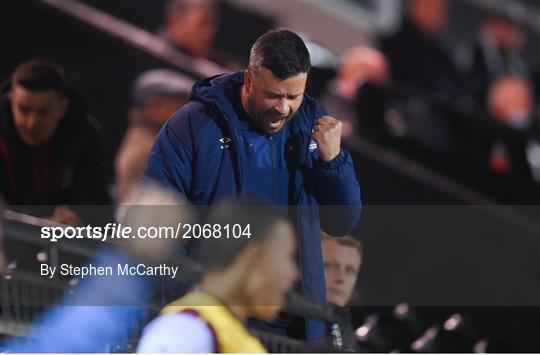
(257, 133)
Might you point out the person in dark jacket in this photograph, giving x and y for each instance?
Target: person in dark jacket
(425, 75)
(420, 54)
(51, 150)
(494, 52)
(257, 133)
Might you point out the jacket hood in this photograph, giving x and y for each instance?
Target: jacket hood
(216, 92)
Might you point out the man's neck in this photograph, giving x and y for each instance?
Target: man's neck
(225, 286)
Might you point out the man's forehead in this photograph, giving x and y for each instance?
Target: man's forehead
(335, 249)
(267, 78)
(32, 97)
(344, 260)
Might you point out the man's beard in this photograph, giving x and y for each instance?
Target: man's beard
(263, 119)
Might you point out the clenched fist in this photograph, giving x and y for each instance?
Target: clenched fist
(327, 134)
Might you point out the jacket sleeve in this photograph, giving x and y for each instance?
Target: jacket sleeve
(337, 191)
(169, 162)
(338, 194)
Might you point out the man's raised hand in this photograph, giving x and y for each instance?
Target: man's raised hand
(327, 134)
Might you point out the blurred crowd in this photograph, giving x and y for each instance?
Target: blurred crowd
(467, 110)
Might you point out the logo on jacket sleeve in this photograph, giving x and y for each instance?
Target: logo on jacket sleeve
(225, 142)
(312, 144)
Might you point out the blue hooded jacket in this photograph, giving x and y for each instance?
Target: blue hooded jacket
(201, 153)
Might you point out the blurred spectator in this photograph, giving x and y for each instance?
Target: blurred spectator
(244, 277)
(157, 94)
(359, 65)
(342, 260)
(190, 25)
(420, 56)
(494, 52)
(510, 102)
(51, 149)
(503, 150)
(428, 88)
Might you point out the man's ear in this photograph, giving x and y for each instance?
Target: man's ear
(250, 260)
(248, 80)
(250, 255)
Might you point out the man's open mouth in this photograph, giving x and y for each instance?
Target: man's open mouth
(275, 122)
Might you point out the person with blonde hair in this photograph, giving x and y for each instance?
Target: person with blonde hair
(342, 261)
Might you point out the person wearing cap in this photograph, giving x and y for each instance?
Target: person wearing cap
(51, 150)
(157, 94)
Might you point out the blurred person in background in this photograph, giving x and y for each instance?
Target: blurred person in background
(360, 66)
(257, 133)
(420, 56)
(503, 146)
(496, 51)
(190, 25)
(428, 89)
(510, 103)
(51, 150)
(244, 277)
(342, 260)
(157, 94)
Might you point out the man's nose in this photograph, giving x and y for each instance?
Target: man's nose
(31, 121)
(282, 107)
(339, 275)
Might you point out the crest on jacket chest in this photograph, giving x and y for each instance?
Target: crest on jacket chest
(225, 142)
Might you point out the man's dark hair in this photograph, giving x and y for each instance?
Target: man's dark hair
(39, 75)
(258, 217)
(282, 52)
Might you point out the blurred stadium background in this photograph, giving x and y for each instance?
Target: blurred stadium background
(451, 231)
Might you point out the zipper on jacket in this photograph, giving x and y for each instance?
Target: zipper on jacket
(273, 160)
